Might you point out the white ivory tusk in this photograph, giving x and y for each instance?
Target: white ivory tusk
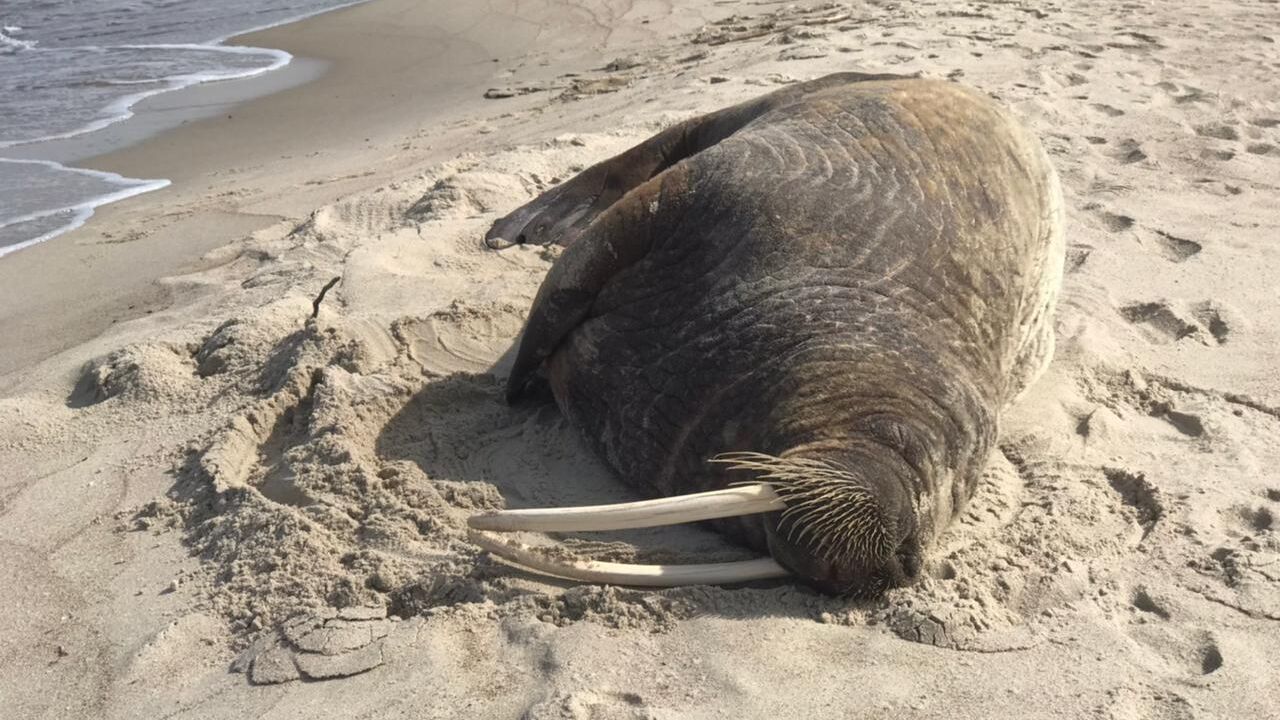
(611, 573)
(729, 502)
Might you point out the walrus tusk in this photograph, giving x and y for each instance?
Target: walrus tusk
(729, 502)
(610, 573)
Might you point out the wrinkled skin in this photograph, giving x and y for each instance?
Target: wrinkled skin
(859, 270)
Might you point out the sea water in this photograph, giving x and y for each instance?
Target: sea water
(69, 67)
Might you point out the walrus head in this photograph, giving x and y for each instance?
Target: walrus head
(845, 531)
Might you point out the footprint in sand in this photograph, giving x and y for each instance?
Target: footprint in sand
(1143, 500)
(1191, 653)
(1157, 624)
(1161, 323)
(1134, 40)
(590, 704)
(1211, 316)
(1129, 151)
(1188, 424)
(1075, 79)
(1143, 601)
(1148, 703)
(1256, 519)
(1218, 132)
(1174, 248)
(1077, 256)
(1108, 110)
(1180, 94)
(1217, 154)
(459, 339)
(1113, 222)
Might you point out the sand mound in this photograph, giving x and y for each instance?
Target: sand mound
(146, 373)
(466, 195)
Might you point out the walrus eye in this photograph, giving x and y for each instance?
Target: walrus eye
(534, 235)
(730, 502)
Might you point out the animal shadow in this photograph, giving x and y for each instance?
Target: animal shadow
(461, 435)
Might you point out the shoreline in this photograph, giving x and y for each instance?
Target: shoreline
(132, 119)
(149, 117)
(403, 84)
(225, 43)
(160, 112)
(209, 136)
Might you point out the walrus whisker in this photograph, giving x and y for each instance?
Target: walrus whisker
(808, 489)
(730, 502)
(611, 573)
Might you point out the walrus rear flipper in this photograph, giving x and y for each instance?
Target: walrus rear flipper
(561, 214)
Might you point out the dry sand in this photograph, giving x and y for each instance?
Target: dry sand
(208, 505)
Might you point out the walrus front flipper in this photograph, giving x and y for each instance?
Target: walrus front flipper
(561, 214)
(618, 238)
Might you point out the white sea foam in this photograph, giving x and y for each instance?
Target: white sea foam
(11, 44)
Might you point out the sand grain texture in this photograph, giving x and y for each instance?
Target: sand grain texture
(208, 508)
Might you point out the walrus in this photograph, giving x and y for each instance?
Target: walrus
(800, 318)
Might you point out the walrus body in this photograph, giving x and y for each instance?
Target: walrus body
(854, 275)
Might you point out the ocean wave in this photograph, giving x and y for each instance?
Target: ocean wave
(78, 212)
(121, 108)
(10, 44)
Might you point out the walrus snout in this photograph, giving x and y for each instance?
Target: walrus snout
(864, 576)
(849, 579)
(848, 526)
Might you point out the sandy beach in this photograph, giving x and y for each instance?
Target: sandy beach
(221, 498)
